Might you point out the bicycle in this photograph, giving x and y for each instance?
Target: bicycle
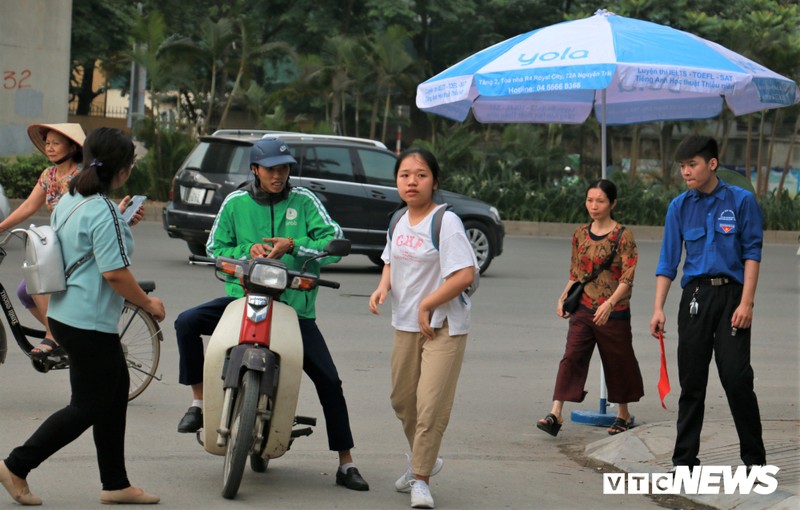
(139, 334)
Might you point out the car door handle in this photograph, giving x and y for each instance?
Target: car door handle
(378, 194)
(316, 186)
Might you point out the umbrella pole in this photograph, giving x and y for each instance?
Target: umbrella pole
(603, 151)
(600, 417)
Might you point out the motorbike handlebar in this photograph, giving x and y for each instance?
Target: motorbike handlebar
(328, 283)
(209, 260)
(200, 258)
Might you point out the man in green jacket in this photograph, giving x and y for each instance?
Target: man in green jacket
(267, 217)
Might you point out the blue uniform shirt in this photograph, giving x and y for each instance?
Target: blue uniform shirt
(720, 230)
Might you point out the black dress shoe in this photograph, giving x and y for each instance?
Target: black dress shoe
(192, 421)
(352, 479)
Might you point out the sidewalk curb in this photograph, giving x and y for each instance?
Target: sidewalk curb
(640, 232)
(648, 449)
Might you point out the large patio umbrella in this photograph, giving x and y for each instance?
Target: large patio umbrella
(627, 70)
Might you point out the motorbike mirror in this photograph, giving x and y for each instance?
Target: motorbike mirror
(338, 247)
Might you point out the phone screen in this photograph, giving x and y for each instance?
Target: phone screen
(133, 206)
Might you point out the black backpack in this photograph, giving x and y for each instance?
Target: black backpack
(436, 229)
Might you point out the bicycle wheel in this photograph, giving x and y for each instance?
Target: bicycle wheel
(141, 342)
(242, 433)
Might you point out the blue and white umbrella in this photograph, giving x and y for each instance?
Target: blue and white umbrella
(634, 71)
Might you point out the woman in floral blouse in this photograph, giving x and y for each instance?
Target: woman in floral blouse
(603, 317)
(62, 144)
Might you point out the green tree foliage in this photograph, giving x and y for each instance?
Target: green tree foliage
(359, 59)
(100, 31)
(167, 148)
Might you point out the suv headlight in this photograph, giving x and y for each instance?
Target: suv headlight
(269, 276)
(495, 213)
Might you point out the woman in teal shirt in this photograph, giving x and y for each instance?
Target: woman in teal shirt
(84, 321)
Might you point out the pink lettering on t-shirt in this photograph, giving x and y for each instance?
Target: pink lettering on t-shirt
(413, 242)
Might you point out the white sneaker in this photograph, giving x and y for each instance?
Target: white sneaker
(421, 495)
(403, 484)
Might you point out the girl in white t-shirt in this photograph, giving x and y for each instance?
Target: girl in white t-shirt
(430, 315)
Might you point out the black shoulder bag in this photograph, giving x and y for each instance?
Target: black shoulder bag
(573, 299)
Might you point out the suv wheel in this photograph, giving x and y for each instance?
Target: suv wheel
(478, 236)
(376, 259)
(197, 248)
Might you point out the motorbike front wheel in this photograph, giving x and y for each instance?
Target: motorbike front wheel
(242, 435)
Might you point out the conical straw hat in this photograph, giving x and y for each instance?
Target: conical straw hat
(38, 133)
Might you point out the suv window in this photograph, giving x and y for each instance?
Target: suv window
(333, 163)
(220, 158)
(378, 167)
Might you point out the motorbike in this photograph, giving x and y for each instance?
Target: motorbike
(253, 366)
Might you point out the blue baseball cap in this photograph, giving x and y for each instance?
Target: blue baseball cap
(269, 152)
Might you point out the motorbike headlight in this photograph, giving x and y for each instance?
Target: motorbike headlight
(266, 275)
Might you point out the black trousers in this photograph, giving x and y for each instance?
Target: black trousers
(317, 363)
(99, 379)
(698, 336)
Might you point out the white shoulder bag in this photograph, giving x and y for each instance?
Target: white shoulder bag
(43, 266)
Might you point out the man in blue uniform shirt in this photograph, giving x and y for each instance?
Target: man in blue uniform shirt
(721, 228)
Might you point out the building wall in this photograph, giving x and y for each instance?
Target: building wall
(34, 44)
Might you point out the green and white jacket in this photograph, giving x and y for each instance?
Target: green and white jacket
(248, 215)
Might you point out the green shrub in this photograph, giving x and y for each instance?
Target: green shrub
(19, 174)
(780, 211)
(638, 203)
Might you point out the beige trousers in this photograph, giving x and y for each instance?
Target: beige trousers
(424, 378)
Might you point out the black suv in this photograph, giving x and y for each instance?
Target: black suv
(353, 177)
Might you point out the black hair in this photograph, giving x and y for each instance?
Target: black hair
(423, 154)
(76, 156)
(606, 186)
(106, 153)
(697, 145)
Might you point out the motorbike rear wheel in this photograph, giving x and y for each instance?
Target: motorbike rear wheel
(242, 435)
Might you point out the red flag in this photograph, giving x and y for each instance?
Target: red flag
(663, 379)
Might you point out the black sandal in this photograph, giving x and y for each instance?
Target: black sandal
(618, 427)
(53, 349)
(549, 424)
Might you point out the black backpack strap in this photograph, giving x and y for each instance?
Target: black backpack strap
(436, 224)
(395, 219)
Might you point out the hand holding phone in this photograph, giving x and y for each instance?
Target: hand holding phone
(133, 206)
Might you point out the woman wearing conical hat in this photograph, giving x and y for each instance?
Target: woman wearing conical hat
(62, 144)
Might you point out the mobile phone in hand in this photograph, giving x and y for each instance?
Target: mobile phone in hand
(133, 206)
